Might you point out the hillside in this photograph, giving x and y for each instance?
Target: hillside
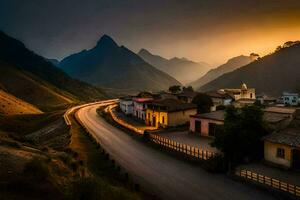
(230, 65)
(32, 78)
(113, 66)
(271, 74)
(11, 105)
(32, 89)
(182, 69)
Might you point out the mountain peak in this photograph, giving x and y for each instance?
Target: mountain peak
(106, 40)
(144, 52)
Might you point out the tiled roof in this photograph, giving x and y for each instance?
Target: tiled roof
(216, 94)
(288, 136)
(280, 110)
(216, 115)
(220, 116)
(171, 105)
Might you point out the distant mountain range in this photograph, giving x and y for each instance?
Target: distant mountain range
(271, 74)
(231, 65)
(112, 66)
(31, 78)
(182, 69)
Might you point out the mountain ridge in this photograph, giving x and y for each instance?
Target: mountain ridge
(182, 69)
(271, 74)
(113, 66)
(230, 65)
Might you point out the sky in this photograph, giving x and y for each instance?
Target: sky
(211, 31)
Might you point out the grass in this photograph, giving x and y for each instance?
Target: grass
(28, 123)
(111, 183)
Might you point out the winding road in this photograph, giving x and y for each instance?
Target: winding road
(161, 174)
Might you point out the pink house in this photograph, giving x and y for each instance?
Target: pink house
(140, 106)
(205, 124)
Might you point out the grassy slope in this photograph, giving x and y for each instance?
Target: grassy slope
(32, 89)
(98, 167)
(43, 72)
(12, 105)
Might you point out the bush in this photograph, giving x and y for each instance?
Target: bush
(215, 164)
(37, 170)
(85, 189)
(220, 107)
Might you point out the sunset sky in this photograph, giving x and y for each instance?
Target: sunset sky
(210, 31)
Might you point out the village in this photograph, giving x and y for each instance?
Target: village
(175, 115)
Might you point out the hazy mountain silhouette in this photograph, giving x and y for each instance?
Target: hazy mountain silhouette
(182, 69)
(113, 66)
(230, 65)
(32, 78)
(271, 74)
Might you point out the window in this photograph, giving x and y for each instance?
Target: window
(280, 153)
(163, 119)
(251, 95)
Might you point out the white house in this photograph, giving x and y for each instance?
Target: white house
(291, 99)
(126, 105)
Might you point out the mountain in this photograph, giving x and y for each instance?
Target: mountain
(55, 62)
(271, 74)
(230, 65)
(182, 69)
(113, 66)
(35, 80)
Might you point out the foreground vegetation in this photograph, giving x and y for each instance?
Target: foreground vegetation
(73, 169)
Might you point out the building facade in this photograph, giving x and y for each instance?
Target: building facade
(169, 113)
(206, 124)
(243, 93)
(291, 99)
(126, 105)
(283, 148)
(140, 107)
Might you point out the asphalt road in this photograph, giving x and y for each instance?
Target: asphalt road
(161, 174)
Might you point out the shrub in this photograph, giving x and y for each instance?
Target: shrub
(37, 170)
(215, 164)
(84, 189)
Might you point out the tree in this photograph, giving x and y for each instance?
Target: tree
(203, 102)
(188, 88)
(240, 137)
(175, 89)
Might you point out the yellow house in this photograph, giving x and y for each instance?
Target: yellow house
(169, 112)
(283, 148)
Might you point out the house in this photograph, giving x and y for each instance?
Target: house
(140, 106)
(243, 93)
(169, 112)
(288, 98)
(205, 124)
(266, 100)
(283, 148)
(187, 96)
(219, 98)
(126, 105)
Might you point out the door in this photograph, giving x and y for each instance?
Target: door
(212, 129)
(154, 121)
(198, 126)
(296, 159)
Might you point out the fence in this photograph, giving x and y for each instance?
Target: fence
(122, 122)
(271, 182)
(182, 148)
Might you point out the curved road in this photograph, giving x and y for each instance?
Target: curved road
(161, 174)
